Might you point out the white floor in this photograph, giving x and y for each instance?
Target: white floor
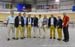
(35, 42)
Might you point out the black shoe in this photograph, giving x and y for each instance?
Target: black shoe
(66, 40)
(13, 38)
(34, 37)
(63, 39)
(50, 37)
(54, 38)
(39, 37)
(59, 39)
(8, 39)
(22, 37)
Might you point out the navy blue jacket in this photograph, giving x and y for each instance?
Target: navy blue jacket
(27, 21)
(59, 23)
(16, 22)
(35, 21)
(55, 22)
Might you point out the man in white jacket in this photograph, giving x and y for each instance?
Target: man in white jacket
(45, 25)
(40, 21)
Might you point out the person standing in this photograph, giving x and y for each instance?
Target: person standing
(19, 24)
(25, 19)
(52, 24)
(35, 25)
(29, 25)
(40, 21)
(65, 27)
(59, 28)
(45, 23)
(10, 22)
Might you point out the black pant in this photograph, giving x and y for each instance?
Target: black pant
(66, 33)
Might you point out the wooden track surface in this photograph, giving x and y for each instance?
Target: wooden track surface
(3, 16)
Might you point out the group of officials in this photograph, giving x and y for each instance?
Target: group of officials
(20, 23)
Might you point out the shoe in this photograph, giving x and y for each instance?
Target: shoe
(13, 38)
(8, 39)
(22, 38)
(54, 38)
(50, 37)
(39, 37)
(34, 37)
(66, 40)
(59, 39)
(63, 39)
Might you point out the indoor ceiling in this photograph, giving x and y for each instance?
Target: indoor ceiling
(29, 1)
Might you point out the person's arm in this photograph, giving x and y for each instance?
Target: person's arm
(32, 21)
(23, 21)
(55, 22)
(61, 23)
(7, 20)
(15, 21)
(67, 21)
(42, 22)
(48, 22)
(37, 22)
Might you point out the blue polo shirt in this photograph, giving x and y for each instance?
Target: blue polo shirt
(25, 20)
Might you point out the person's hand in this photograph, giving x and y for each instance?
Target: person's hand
(6, 24)
(67, 24)
(32, 23)
(57, 26)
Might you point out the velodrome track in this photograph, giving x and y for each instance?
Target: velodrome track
(36, 42)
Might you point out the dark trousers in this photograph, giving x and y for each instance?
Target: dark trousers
(66, 33)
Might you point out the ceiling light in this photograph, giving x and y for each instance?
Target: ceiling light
(57, 0)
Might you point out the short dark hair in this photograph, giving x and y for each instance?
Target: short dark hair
(40, 15)
(24, 13)
(51, 14)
